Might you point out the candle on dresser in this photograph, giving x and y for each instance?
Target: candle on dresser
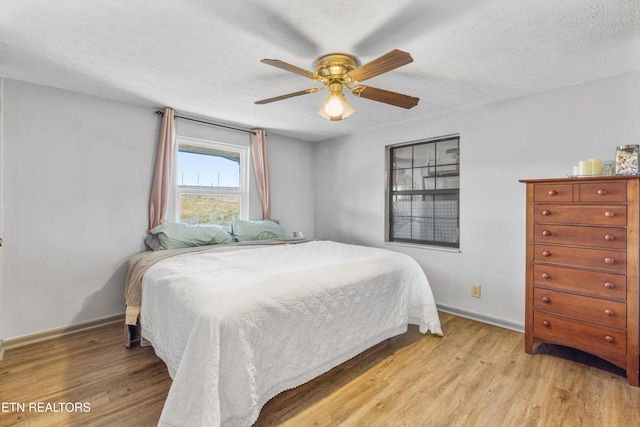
(584, 167)
(596, 166)
(576, 171)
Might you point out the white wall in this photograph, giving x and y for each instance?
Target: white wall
(537, 136)
(76, 175)
(291, 172)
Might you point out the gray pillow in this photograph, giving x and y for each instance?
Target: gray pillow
(256, 230)
(179, 235)
(152, 242)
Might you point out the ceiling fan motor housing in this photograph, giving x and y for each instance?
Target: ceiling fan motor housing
(335, 65)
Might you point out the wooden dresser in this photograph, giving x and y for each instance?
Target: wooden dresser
(582, 267)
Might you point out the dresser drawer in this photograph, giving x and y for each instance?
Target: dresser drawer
(579, 334)
(553, 193)
(603, 192)
(610, 215)
(603, 237)
(607, 285)
(597, 310)
(602, 259)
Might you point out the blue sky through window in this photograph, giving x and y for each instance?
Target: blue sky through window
(207, 171)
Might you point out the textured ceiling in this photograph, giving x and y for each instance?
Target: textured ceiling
(202, 57)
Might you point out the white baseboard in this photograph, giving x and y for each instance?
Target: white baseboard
(490, 320)
(58, 332)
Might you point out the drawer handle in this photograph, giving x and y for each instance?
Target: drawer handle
(609, 261)
(546, 276)
(602, 192)
(546, 323)
(609, 312)
(546, 233)
(547, 213)
(552, 192)
(547, 253)
(609, 237)
(609, 214)
(609, 285)
(546, 300)
(609, 338)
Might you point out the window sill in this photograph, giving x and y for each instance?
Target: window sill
(428, 247)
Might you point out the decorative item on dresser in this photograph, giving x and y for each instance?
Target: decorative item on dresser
(582, 267)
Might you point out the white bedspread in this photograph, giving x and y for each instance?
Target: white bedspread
(237, 328)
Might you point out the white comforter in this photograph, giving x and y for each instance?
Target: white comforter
(237, 328)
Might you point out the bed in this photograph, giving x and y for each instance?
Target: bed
(237, 324)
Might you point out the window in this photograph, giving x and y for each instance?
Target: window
(423, 188)
(211, 182)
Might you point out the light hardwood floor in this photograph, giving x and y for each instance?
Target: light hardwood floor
(476, 375)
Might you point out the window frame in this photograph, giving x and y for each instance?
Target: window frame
(390, 193)
(243, 192)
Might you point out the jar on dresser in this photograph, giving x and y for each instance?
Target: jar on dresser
(582, 267)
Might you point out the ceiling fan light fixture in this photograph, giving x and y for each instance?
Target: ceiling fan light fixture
(336, 107)
(333, 107)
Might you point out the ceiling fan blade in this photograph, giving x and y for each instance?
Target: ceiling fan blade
(386, 96)
(387, 62)
(289, 95)
(293, 69)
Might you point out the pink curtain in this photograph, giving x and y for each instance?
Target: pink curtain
(162, 176)
(261, 168)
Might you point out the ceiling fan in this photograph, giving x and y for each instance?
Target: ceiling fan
(339, 70)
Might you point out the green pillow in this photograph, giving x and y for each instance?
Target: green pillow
(256, 230)
(179, 235)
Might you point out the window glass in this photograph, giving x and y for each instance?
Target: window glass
(204, 209)
(211, 188)
(423, 192)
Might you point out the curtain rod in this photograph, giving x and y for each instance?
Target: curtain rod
(207, 123)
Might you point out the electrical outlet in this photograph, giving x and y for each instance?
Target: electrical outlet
(475, 291)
